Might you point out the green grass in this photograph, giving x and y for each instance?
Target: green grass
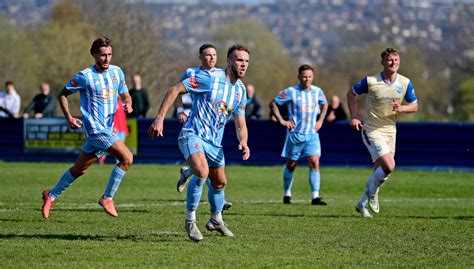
(426, 220)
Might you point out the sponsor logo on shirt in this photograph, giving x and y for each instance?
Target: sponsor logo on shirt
(307, 108)
(107, 93)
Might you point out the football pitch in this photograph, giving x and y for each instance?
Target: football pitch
(426, 220)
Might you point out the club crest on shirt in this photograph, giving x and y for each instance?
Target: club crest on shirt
(196, 146)
(282, 94)
(220, 107)
(194, 83)
(399, 90)
(73, 83)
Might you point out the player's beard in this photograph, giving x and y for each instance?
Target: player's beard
(235, 72)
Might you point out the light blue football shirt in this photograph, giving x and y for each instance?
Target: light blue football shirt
(98, 96)
(191, 72)
(215, 100)
(303, 106)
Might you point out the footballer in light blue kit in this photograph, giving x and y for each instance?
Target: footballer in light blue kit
(215, 100)
(208, 58)
(184, 103)
(99, 86)
(385, 93)
(305, 102)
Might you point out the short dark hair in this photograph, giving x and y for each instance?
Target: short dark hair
(387, 52)
(205, 46)
(102, 41)
(305, 67)
(237, 47)
(8, 83)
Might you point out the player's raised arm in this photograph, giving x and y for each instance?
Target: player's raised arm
(156, 128)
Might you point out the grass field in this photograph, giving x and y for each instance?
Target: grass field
(426, 220)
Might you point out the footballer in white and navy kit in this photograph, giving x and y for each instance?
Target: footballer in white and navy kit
(215, 100)
(304, 102)
(99, 86)
(384, 94)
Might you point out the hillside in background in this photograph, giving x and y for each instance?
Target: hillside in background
(341, 38)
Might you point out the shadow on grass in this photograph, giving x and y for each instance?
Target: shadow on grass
(98, 209)
(160, 237)
(354, 216)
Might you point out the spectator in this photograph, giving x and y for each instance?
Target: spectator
(335, 112)
(140, 101)
(10, 102)
(254, 109)
(183, 106)
(43, 104)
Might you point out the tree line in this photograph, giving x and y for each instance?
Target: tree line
(54, 50)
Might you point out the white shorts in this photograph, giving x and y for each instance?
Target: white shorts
(378, 143)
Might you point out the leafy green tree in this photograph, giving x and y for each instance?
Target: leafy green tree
(348, 67)
(18, 60)
(139, 47)
(270, 69)
(466, 92)
(62, 46)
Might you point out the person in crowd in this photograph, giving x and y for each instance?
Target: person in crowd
(336, 111)
(10, 102)
(140, 100)
(254, 109)
(43, 105)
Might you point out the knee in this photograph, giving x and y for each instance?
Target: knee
(291, 166)
(127, 161)
(78, 171)
(314, 165)
(218, 185)
(388, 168)
(201, 171)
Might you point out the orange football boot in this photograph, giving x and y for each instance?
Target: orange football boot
(108, 205)
(47, 204)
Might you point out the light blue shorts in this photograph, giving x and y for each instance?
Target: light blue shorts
(189, 143)
(301, 145)
(99, 143)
